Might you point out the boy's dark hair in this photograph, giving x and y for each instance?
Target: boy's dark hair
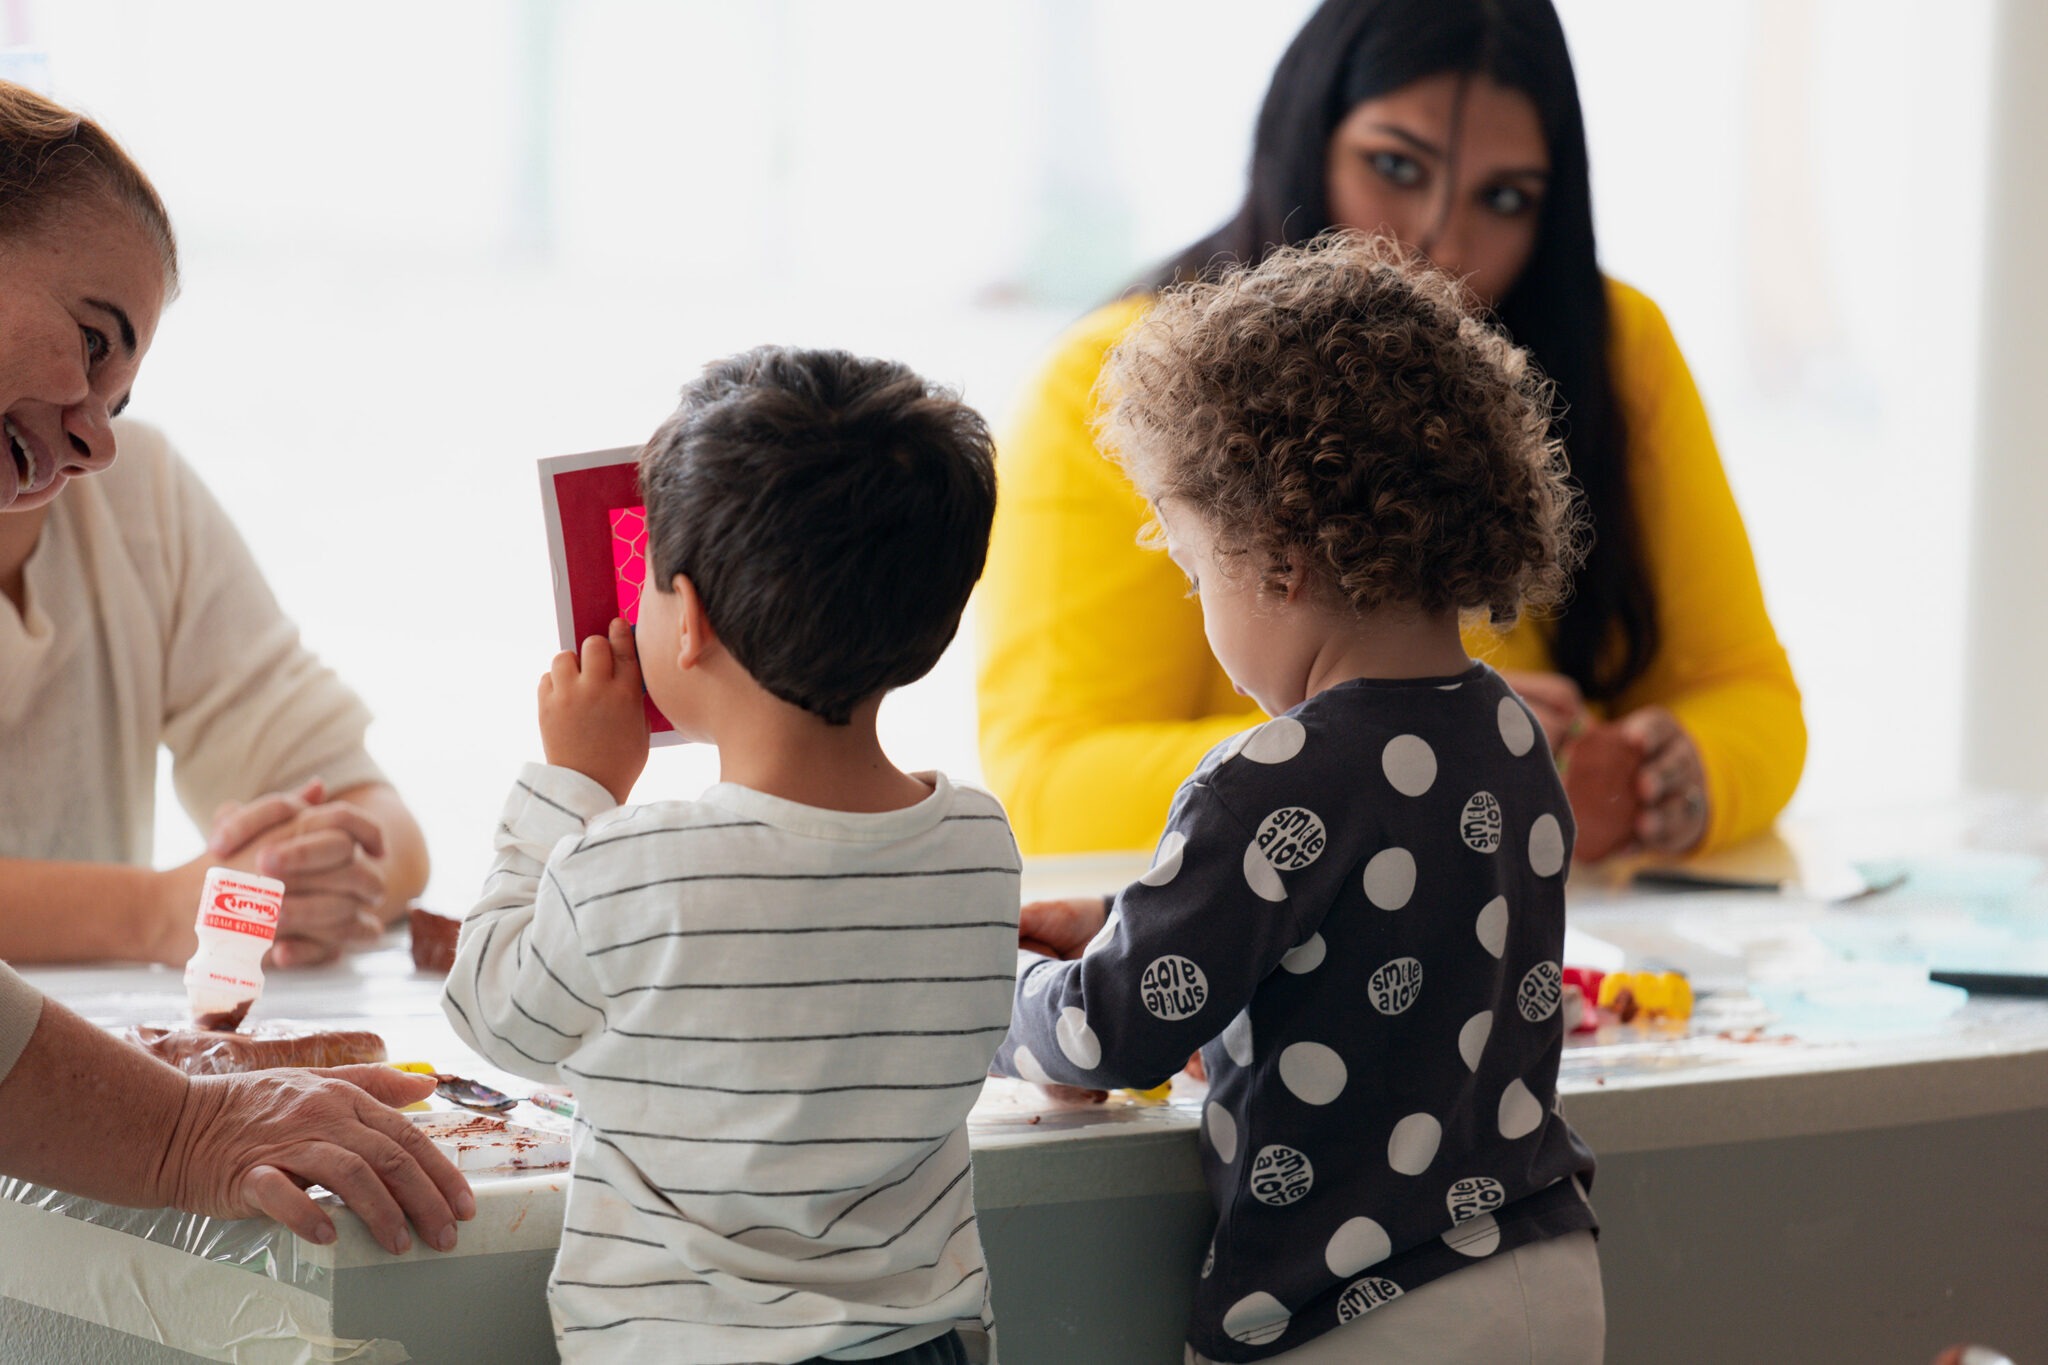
(833, 513)
(1339, 410)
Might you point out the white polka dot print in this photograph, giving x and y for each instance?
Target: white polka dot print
(1077, 1040)
(1413, 1144)
(1546, 846)
(1390, 878)
(1312, 1073)
(1409, 763)
(1517, 731)
(1209, 1261)
(1260, 876)
(1479, 824)
(1519, 1111)
(1027, 1066)
(1166, 862)
(1276, 741)
(1237, 1038)
(1541, 992)
(1358, 1244)
(1480, 1237)
(1362, 1296)
(1237, 743)
(1041, 976)
(1396, 986)
(1472, 1196)
(1472, 1038)
(1307, 957)
(1281, 1176)
(1256, 1319)
(1173, 988)
(1492, 927)
(1222, 1132)
(1106, 934)
(1291, 838)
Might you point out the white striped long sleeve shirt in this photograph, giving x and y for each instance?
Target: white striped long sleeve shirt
(775, 1019)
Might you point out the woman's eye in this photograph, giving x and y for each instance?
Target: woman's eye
(1395, 168)
(1507, 201)
(96, 344)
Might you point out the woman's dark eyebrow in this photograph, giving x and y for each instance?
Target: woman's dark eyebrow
(1396, 131)
(1431, 149)
(127, 327)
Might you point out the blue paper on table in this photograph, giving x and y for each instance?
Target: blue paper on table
(1968, 913)
(1866, 1000)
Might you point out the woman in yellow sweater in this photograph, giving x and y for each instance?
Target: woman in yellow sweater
(1453, 125)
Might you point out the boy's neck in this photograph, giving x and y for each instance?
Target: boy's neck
(781, 750)
(1392, 643)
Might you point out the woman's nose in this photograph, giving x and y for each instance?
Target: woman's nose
(89, 429)
(1448, 245)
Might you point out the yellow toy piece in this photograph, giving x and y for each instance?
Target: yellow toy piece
(419, 1069)
(1646, 996)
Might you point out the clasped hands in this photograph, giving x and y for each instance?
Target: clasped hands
(1670, 782)
(329, 853)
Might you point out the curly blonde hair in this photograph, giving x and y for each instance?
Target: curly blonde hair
(1340, 409)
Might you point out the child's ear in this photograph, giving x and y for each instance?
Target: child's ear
(695, 635)
(1297, 577)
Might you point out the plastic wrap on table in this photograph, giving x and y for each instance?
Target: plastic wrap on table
(259, 1245)
(203, 1052)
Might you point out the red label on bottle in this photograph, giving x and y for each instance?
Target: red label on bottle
(230, 901)
(240, 926)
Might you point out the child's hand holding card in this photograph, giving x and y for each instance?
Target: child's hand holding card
(591, 716)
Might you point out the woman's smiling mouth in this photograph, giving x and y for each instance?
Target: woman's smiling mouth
(24, 455)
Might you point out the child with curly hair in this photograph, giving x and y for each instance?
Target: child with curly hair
(1356, 910)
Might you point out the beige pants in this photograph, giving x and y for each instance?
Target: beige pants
(1536, 1305)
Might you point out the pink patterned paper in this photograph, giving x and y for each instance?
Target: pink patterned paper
(629, 558)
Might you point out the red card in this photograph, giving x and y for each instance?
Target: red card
(597, 546)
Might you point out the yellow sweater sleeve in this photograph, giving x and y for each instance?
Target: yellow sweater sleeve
(1098, 693)
(1719, 668)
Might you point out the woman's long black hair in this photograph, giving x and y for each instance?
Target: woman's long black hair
(1355, 50)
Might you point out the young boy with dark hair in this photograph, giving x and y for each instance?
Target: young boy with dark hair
(775, 1003)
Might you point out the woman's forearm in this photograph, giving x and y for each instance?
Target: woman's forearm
(87, 1113)
(95, 912)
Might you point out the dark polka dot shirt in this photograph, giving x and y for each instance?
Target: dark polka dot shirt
(1356, 913)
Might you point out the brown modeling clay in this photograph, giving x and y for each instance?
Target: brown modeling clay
(200, 1052)
(225, 1021)
(433, 939)
(1599, 772)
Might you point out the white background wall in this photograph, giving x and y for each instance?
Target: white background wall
(427, 244)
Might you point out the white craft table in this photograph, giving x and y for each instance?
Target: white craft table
(1762, 1200)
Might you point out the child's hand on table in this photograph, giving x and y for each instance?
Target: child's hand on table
(1062, 929)
(592, 718)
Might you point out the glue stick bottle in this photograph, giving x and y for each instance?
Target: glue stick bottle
(236, 923)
